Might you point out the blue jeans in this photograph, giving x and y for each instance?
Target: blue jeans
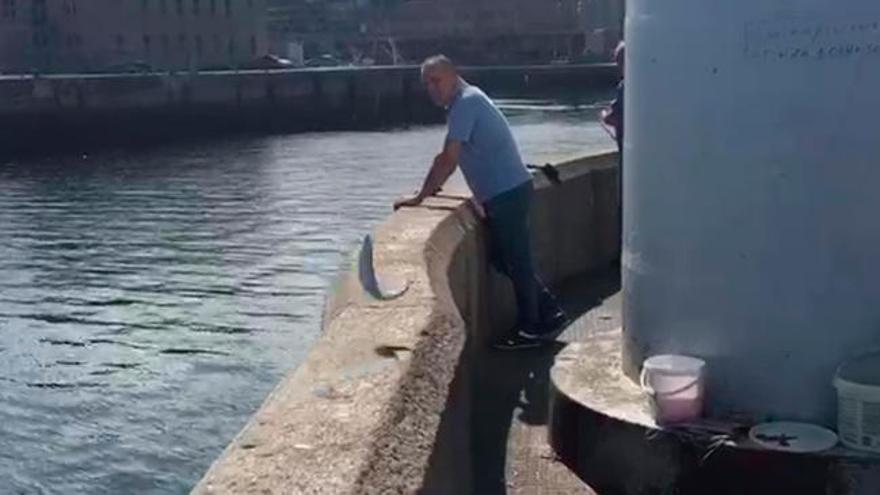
(507, 216)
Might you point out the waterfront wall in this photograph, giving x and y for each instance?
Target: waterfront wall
(85, 111)
(382, 404)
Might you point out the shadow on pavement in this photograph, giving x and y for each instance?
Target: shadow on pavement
(509, 386)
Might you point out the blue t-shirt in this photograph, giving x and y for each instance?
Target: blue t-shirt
(490, 158)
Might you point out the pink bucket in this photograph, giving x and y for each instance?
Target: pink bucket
(675, 385)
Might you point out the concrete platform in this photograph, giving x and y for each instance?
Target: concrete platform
(601, 428)
(511, 401)
(510, 452)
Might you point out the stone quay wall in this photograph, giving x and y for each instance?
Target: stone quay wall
(382, 404)
(79, 112)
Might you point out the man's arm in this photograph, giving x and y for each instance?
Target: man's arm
(608, 122)
(610, 117)
(444, 165)
(461, 121)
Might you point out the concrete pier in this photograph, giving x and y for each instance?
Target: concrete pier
(404, 396)
(602, 428)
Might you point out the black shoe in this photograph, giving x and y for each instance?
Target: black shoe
(516, 342)
(551, 330)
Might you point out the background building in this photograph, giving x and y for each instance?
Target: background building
(603, 20)
(316, 27)
(90, 35)
(481, 31)
(471, 31)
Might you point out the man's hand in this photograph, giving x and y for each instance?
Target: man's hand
(443, 166)
(606, 122)
(608, 117)
(410, 201)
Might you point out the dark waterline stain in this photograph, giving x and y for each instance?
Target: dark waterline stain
(65, 386)
(70, 343)
(193, 351)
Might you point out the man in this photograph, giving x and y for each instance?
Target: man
(612, 117)
(480, 140)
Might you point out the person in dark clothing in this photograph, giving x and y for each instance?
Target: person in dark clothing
(612, 120)
(612, 116)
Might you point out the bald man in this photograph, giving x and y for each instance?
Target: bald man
(479, 139)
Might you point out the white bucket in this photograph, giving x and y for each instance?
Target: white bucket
(858, 402)
(675, 385)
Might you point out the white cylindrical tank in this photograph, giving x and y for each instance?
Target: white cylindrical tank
(752, 195)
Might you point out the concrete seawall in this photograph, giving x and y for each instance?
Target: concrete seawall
(83, 111)
(383, 403)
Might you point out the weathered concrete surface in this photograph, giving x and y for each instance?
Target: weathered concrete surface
(511, 401)
(396, 395)
(602, 428)
(361, 414)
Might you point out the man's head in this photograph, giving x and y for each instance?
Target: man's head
(620, 56)
(441, 79)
